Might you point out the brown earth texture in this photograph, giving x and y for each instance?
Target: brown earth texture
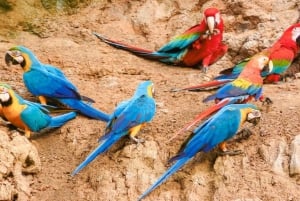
(60, 33)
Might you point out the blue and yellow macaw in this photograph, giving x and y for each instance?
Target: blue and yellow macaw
(26, 115)
(213, 132)
(127, 119)
(48, 82)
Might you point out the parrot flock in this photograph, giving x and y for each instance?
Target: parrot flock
(200, 46)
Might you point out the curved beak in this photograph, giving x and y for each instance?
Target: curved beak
(14, 58)
(268, 68)
(211, 24)
(254, 117)
(298, 41)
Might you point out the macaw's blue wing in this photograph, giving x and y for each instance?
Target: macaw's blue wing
(54, 70)
(34, 118)
(37, 120)
(182, 41)
(234, 72)
(42, 83)
(236, 88)
(127, 115)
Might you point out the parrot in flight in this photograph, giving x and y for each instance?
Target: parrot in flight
(219, 128)
(281, 53)
(246, 86)
(127, 119)
(27, 115)
(49, 83)
(200, 45)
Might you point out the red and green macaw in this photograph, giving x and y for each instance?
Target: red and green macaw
(213, 132)
(127, 119)
(26, 115)
(281, 53)
(200, 44)
(246, 86)
(49, 83)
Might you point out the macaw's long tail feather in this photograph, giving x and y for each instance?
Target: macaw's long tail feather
(86, 109)
(135, 50)
(205, 86)
(176, 166)
(60, 120)
(104, 146)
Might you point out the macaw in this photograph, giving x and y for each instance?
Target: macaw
(200, 44)
(246, 86)
(219, 128)
(48, 82)
(26, 115)
(281, 53)
(127, 119)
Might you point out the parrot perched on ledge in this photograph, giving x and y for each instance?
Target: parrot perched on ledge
(26, 115)
(127, 119)
(246, 86)
(49, 82)
(201, 44)
(281, 53)
(219, 128)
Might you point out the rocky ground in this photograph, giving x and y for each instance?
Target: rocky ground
(39, 168)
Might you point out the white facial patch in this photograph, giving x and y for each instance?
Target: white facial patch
(253, 114)
(262, 61)
(4, 96)
(295, 33)
(218, 18)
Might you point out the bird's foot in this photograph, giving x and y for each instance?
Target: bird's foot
(137, 140)
(231, 153)
(244, 134)
(204, 69)
(267, 101)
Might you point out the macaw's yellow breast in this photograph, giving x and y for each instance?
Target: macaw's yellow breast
(13, 114)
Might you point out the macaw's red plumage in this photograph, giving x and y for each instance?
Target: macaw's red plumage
(282, 53)
(199, 45)
(246, 86)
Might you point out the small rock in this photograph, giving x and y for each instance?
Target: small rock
(295, 156)
(274, 154)
(6, 191)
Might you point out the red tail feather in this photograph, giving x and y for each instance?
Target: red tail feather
(201, 116)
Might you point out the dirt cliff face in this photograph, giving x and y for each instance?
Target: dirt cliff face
(268, 169)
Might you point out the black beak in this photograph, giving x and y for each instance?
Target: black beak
(298, 41)
(10, 60)
(255, 121)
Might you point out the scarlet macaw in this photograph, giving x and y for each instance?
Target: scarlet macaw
(246, 86)
(200, 44)
(281, 53)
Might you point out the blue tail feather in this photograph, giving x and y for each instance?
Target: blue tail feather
(86, 109)
(60, 120)
(176, 166)
(104, 146)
